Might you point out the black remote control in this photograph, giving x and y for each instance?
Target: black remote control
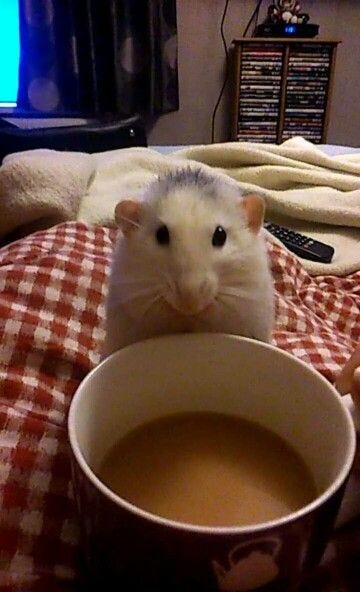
(304, 246)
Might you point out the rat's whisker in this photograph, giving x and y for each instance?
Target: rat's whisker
(140, 294)
(132, 222)
(236, 292)
(170, 283)
(222, 302)
(232, 291)
(150, 304)
(137, 282)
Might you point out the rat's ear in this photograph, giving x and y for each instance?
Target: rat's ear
(254, 207)
(127, 215)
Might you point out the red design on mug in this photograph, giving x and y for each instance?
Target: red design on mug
(251, 565)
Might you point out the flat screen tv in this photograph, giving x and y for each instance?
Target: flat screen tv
(9, 66)
(9, 55)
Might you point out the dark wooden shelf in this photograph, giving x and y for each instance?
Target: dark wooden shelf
(305, 80)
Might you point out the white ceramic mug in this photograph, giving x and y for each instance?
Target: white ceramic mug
(131, 549)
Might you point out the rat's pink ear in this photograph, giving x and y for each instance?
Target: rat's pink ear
(127, 215)
(254, 207)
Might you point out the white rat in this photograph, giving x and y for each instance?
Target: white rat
(191, 258)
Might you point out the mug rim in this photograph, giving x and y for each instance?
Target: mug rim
(197, 528)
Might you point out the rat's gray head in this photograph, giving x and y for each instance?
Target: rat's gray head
(194, 228)
(198, 181)
(195, 179)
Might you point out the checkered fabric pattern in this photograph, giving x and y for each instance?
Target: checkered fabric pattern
(52, 289)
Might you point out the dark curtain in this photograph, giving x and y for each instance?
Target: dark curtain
(98, 57)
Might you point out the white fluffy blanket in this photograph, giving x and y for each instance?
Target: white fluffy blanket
(304, 189)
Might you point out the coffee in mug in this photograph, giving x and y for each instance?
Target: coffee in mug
(210, 469)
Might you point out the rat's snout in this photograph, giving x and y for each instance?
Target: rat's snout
(194, 293)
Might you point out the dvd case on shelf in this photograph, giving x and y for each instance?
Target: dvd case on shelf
(282, 89)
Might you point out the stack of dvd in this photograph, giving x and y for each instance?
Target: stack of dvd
(306, 91)
(259, 92)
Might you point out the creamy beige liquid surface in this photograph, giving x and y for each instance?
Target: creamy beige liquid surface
(208, 469)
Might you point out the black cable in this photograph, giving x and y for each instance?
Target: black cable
(226, 71)
(254, 14)
(256, 20)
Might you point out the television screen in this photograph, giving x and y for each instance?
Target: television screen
(9, 53)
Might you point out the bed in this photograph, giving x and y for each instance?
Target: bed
(53, 285)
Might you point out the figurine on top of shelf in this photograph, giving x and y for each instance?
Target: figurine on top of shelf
(287, 11)
(284, 19)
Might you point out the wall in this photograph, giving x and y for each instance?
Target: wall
(201, 68)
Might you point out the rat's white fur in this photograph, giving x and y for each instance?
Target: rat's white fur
(189, 285)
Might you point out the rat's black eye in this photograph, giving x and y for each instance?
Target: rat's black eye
(219, 237)
(162, 235)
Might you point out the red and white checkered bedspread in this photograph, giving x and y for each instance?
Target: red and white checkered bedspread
(52, 288)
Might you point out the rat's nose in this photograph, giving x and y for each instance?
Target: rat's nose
(193, 294)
